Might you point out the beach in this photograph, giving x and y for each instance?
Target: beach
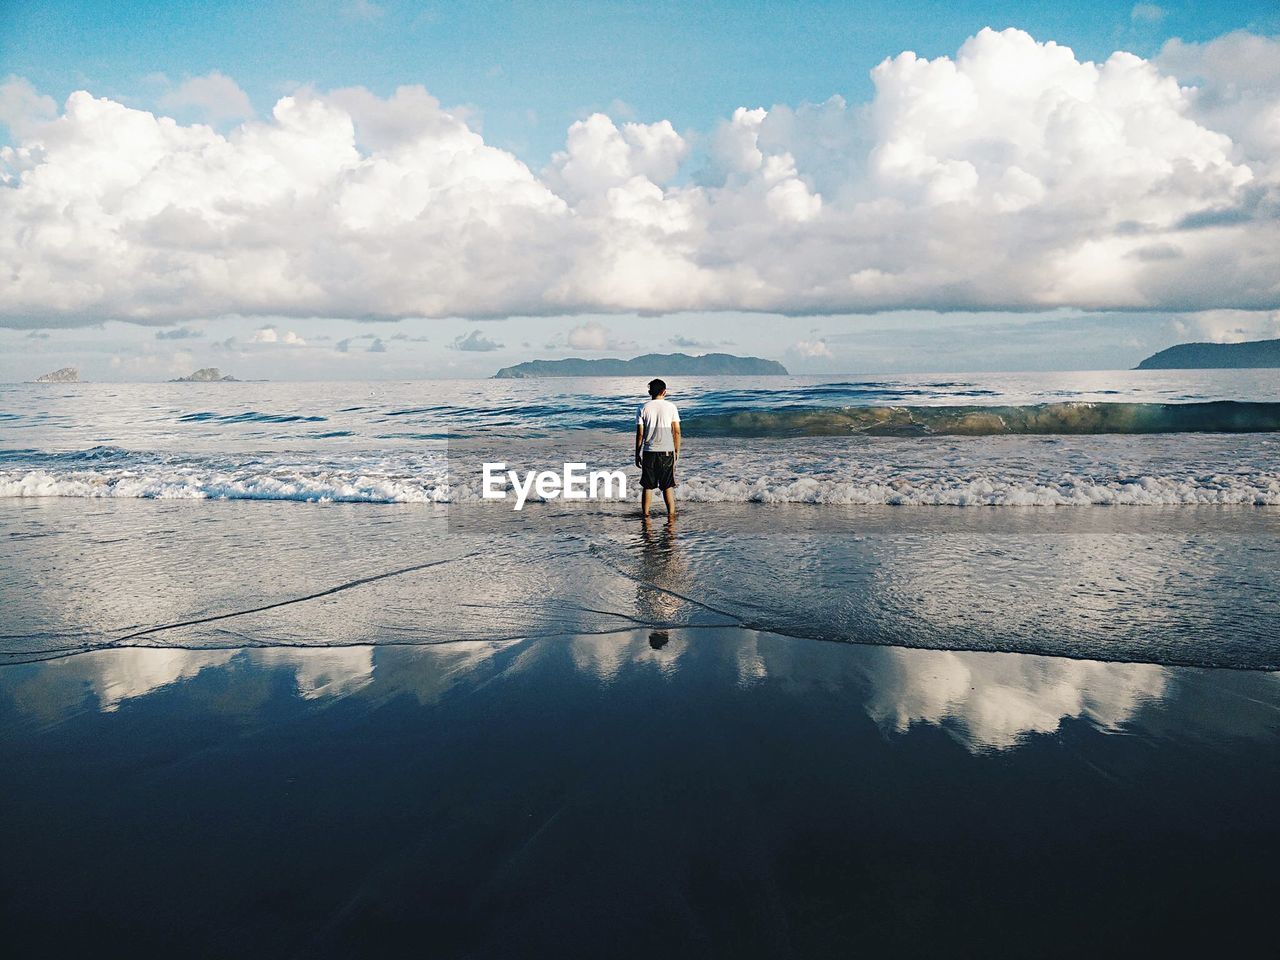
(240, 715)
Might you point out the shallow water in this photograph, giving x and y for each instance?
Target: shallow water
(1175, 585)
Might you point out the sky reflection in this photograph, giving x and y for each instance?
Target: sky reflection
(987, 701)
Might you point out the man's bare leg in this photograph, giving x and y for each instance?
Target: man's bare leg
(646, 498)
(669, 495)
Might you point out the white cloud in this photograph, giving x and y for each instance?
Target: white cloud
(1237, 93)
(272, 335)
(1012, 176)
(475, 342)
(1146, 13)
(23, 108)
(214, 96)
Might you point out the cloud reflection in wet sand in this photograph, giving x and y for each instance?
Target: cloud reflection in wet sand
(987, 701)
(997, 699)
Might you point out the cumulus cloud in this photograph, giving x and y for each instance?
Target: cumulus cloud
(272, 335)
(215, 97)
(475, 342)
(23, 108)
(1011, 176)
(1237, 91)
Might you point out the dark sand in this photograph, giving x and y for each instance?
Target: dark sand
(727, 794)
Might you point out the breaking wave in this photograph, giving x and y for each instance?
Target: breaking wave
(852, 487)
(1220, 416)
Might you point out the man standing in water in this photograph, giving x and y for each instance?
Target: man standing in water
(658, 448)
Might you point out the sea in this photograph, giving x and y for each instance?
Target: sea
(1094, 438)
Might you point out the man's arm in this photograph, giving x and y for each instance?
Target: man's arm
(639, 443)
(675, 439)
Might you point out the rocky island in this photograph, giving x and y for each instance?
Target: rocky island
(206, 375)
(649, 365)
(1215, 356)
(65, 375)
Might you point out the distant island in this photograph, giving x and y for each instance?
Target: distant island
(650, 365)
(1215, 356)
(65, 375)
(206, 375)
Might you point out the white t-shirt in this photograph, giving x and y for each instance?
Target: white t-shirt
(657, 416)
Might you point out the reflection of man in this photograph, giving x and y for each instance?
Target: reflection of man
(658, 448)
(663, 578)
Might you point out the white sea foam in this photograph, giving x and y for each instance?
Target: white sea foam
(933, 471)
(190, 485)
(994, 491)
(1256, 488)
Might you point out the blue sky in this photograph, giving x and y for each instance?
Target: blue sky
(531, 68)
(616, 202)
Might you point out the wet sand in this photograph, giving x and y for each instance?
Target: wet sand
(722, 793)
(236, 729)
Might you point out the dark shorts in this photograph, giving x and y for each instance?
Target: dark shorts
(658, 470)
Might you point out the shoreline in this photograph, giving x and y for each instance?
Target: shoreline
(1187, 586)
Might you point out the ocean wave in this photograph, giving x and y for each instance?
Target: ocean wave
(1219, 416)
(249, 416)
(1258, 488)
(995, 491)
(189, 485)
